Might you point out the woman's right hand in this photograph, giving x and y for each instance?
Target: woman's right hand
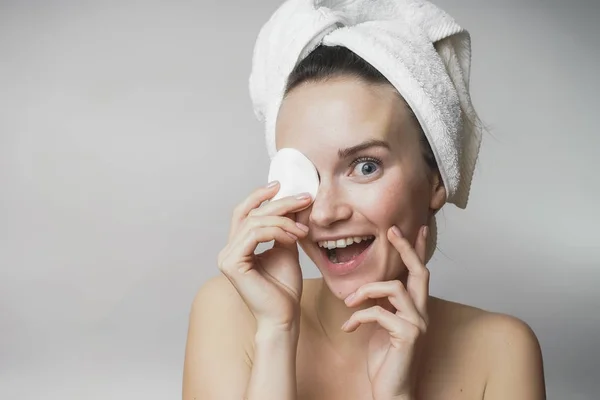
(270, 283)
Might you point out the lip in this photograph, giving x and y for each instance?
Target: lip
(347, 267)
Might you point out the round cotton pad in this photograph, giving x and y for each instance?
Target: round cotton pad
(295, 172)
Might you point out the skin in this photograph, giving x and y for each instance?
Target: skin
(457, 351)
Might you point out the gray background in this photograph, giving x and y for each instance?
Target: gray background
(127, 136)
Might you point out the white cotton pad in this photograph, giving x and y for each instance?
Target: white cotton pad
(295, 172)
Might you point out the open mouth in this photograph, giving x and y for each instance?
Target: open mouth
(346, 250)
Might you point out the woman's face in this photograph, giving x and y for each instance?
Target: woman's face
(365, 146)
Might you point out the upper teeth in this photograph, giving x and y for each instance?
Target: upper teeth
(332, 244)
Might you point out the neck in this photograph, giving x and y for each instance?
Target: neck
(331, 313)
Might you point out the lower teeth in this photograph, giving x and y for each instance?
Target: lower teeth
(332, 255)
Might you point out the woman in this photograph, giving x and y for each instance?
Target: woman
(368, 329)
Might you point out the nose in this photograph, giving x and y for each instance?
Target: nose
(329, 206)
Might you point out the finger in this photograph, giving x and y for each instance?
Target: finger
(248, 243)
(421, 243)
(291, 217)
(237, 243)
(253, 201)
(285, 223)
(417, 283)
(395, 292)
(398, 328)
(253, 225)
(289, 224)
(288, 205)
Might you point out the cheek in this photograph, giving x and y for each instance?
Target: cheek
(393, 202)
(384, 202)
(380, 205)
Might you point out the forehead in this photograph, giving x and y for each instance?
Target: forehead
(326, 116)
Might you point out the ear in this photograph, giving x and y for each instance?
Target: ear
(438, 193)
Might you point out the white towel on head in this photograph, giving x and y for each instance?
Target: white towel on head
(417, 46)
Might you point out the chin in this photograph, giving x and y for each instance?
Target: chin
(342, 288)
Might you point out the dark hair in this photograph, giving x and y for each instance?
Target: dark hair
(328, 62)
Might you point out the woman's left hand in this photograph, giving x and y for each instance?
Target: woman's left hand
(393, 346)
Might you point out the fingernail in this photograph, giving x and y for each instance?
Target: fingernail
(302, 226)
(350, 297)
(396, 231)
(272, 184)
(345, 325)
(425, 231)
(303, 196)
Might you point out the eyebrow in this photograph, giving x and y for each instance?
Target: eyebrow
(343, 153)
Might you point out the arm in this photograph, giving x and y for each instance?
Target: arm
(516, 370)
(227, 358)
(274, 371)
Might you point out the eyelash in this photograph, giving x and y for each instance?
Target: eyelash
(365, 159)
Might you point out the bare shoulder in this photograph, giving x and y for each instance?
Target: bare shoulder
(218, 353)
(506, 346)
(516, 367)
(499, 333)
(218, 287)
(217, 302)
(465, 316)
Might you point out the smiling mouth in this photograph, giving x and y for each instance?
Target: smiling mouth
(346, 254)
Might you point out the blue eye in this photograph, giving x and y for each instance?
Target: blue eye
(366, 165)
